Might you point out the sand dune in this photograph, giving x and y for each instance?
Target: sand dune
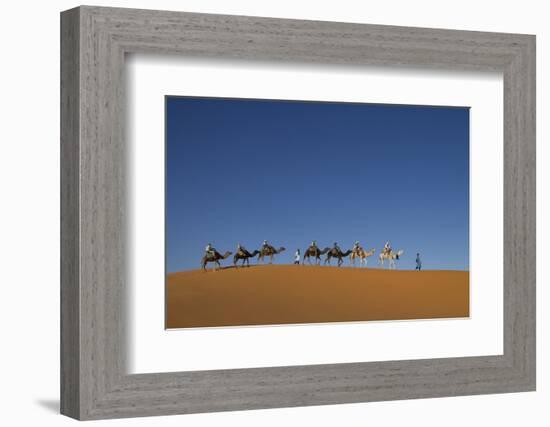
(286, 294)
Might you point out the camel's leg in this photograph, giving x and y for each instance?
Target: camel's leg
(271, 259)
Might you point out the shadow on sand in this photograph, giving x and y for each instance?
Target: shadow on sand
(232, 267)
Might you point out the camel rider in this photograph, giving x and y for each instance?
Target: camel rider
(356, 247)
(387, 248)
(314, 244)
(210, 250)
(265, 245)
(241, 250)
(336, 248)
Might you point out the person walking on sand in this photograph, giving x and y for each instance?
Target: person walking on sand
(297, 257)
(418, 262)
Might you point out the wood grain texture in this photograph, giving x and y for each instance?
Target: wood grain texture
(94, 381)
(70, 220)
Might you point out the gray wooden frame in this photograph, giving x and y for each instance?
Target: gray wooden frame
(94, 382)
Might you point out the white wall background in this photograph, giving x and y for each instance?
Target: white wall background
(29, 224)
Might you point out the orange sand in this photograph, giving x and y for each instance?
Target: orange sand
(283, 294)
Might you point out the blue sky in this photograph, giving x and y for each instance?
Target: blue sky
(241, 171)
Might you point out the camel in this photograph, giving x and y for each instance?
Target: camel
(391, 257)
(314, 251)
(336, 253)
(269, 251)
(215, 258)
(245, 256)
(362, 255)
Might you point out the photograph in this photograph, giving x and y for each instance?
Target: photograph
(269, 212)
(295, 212)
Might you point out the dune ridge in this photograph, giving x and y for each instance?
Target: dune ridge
(288, 294)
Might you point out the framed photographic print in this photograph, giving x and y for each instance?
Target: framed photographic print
(293, 170)
(262, 213)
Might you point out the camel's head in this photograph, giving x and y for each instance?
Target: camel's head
(399, 253)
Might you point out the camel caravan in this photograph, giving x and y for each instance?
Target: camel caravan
(213, 256)
(313, 252)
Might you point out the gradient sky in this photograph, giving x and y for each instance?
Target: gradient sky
(241, 171)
